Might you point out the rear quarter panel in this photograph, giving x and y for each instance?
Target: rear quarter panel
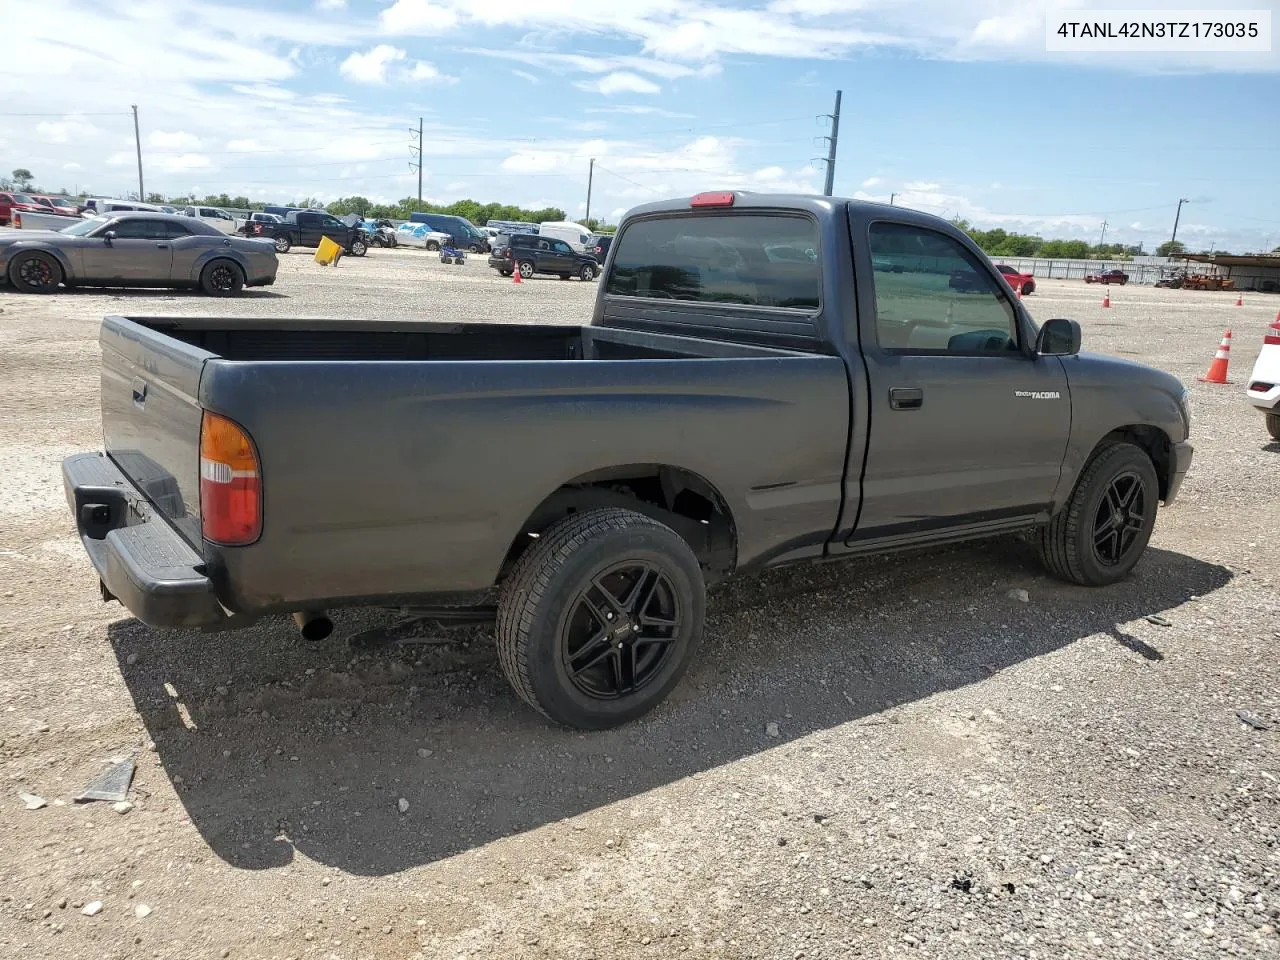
(385, 479)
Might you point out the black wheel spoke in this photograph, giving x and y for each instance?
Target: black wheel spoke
(621, 630)
(1120, 518)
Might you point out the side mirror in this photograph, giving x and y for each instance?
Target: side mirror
(1058, 338)
(109, 237)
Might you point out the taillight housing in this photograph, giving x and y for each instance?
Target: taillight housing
(230, 483)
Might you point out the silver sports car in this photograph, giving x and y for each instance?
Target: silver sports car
(139, 249)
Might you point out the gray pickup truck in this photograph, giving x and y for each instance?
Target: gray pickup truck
(765, 380)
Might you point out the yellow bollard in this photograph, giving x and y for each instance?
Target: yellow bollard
(327, 252)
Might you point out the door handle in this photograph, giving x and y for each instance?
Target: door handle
(139, 390)
(906, 398)
(162, 246)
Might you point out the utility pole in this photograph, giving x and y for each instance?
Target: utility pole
(831, 145)
(1176, 217)
(1104, 232)
(417, 151)
(891, 196)
(591, 172)
(137, 141)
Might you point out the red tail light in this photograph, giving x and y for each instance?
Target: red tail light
(1272, 336)
(230, 483)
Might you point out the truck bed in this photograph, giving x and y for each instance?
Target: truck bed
(402, 459)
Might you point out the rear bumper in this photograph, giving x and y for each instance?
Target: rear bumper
(1180, 463)
(141, 560)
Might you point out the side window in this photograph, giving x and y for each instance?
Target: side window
(755, 259)
(932, 296)
(134, 229)
(561, 247)
(168, 230)
(544, 245)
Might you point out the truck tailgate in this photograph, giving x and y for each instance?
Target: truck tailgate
(151, 417)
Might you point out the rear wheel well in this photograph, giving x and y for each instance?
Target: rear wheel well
(1154, 441)
(679, 498)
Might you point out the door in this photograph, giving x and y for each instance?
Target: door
(334, 229)
(543, 259)
(968, 425)
(140, 253)
(186, 247)
(562, 258)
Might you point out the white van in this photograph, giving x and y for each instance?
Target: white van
(97, 206)
(574, 234)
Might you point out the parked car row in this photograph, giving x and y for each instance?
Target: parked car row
(532, 254)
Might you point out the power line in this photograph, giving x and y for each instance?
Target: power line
(642, 186)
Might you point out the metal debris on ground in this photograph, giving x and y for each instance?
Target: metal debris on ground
(112, 784)
(1253, 720)
(1159, 621)
(31, 800)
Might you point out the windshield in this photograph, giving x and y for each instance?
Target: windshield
(22, 198)
(60, 203)
(84, 227)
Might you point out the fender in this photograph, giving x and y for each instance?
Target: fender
(224, 251)
(68, 269)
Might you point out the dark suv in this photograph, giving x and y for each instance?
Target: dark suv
(532, 254)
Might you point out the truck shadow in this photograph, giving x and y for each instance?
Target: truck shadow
(276, 746)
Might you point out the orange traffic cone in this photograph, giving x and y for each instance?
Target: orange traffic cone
(1218, 369)
(1240, 299)
(1106, 297)
(515, 276)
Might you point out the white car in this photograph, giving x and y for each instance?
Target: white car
(1264, 382)
(216, 218)
(420, 235)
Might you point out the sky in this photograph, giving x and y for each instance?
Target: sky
(955, 108)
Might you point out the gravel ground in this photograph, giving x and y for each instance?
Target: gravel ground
(890, 757)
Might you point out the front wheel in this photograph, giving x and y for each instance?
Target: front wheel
(35, 272)
(474, 248)
(432, 246)
(600, 617)
(359, 248)
(526, 270)
(1102, 532)
(1273, 425)
(1028, 288)
(587, 273)
(222, 278)
(283, 244)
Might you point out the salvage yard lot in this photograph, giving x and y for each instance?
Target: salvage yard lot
(904, 755)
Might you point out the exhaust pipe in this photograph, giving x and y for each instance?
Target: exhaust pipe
(313, 624)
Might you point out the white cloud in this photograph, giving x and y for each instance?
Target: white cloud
(417, 17)
(71, 166)
(870, 182)
(177, 140)
(54, 132)
(919, 186)
(534, 161)
(423, 72)
(526, 76)
(264, 91)
(384, 63)
(372, 65)
(620, 82)
(331, 4)
(639, 109)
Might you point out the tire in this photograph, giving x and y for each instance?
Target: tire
(506, 273)
(1273, 425)
(432, 246)
(283, 244)
(474, 248)
(587, 273)
(1028, 288)
(526, 269)
(1068, 545)
(35, 272)
(580, 573)
(222, 278)
(359, 248)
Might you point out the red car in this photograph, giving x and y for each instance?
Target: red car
(59, 205)
(1023, 283)
(1118, 277)
(20, 202)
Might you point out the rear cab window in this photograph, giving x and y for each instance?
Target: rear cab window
(756, 259)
